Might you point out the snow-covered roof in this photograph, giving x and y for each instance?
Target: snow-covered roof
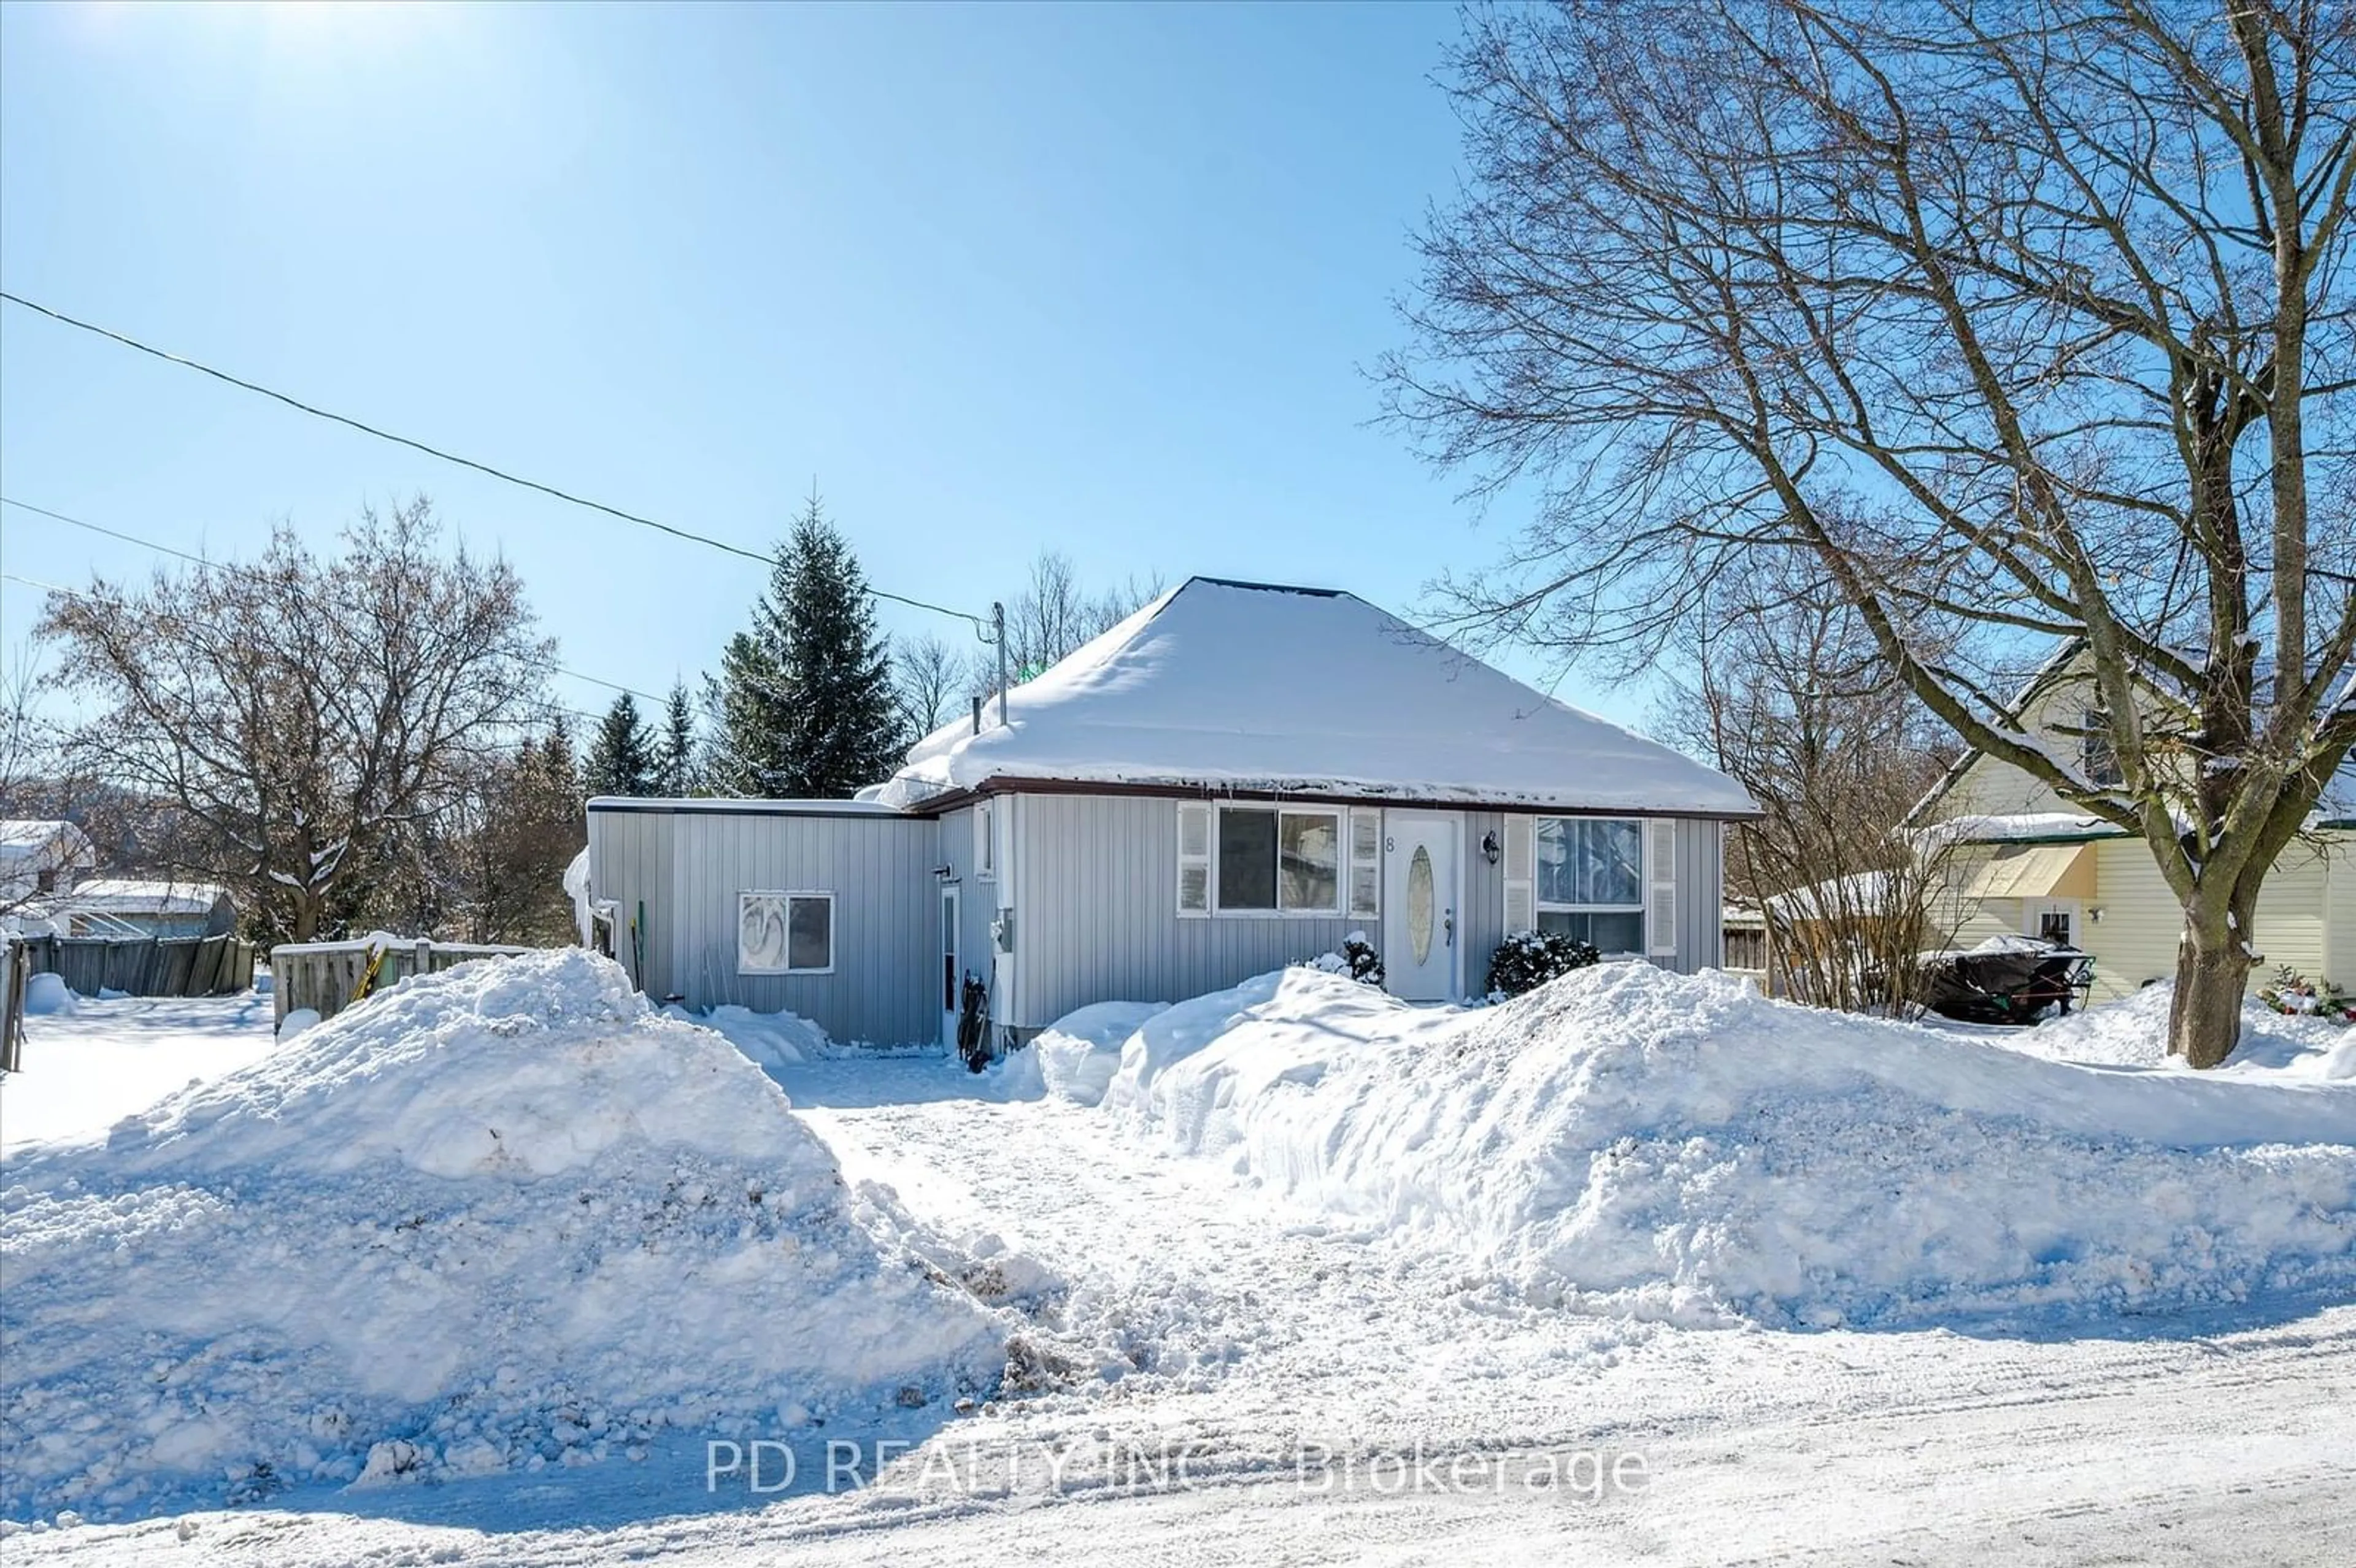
(2023, 827)
(26, 838)
(125, 895)
(1235, 686)
(1860, 893)
(2337, 806)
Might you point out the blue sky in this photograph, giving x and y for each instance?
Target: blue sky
(1097, 279)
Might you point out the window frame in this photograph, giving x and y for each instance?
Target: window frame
(1540, 906)
(789, 895)
(1340, 817)
(2096, 758)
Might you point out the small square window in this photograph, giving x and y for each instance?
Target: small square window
(785, 934)
(1277, 861)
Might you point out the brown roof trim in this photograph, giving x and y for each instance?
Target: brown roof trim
(1001, 783)
(721, 805)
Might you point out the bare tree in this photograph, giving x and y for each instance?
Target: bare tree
(1792, 698)
(928, 675)
(2021, 322)
(28, 751)
(309, 719)
(1054, 615)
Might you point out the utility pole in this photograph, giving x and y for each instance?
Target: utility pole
(997, 617)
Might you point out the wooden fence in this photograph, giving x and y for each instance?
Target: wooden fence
(11, 1004)
(324, 975)
(143, 965)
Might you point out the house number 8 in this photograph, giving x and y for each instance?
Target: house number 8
(1389, 844)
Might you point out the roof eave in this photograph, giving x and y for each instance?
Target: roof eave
(958, 796)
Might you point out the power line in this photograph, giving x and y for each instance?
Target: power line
(109, 533)
(575, 712)
(366, 429)
(235, 572)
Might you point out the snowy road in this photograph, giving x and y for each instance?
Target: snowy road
(1242, 1336)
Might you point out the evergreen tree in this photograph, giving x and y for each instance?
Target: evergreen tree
(746, 703)
(805, 705)
(557, 764)
(622, 758)
(675, 769)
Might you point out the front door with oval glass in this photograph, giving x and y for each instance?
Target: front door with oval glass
(1422, 907)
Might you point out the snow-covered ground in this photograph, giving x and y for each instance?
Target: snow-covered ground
(88, 1068)
(1240, 1339)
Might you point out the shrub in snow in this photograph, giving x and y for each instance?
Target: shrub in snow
(1357, 960)
(1528, 959)
(2292, 992)
(501, 1216)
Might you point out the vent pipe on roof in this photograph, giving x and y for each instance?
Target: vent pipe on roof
(977, 714)
(998, 615)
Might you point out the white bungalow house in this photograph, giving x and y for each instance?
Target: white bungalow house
(41, 856)
(2029, 862)
(1237, 775)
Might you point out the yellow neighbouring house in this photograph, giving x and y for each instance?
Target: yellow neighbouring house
(2028, 861)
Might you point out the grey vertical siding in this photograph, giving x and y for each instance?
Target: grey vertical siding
(687, 866)
(629, 862)
(1098, 918)
(1099, 922)
(1701, 895)
(1096, 915)
(1482, 920)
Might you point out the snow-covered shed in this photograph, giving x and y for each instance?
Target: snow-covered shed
(1237, 775)
(133, 906)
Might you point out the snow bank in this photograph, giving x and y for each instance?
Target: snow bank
(46, 996)
(2132, 1033)
(1079, 1052)
(771, 1040)
(1630, 1140)
(498, 1217)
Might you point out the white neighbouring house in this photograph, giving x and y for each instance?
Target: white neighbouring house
(133, 906)
(1237, 775)
(40, 857)
(2028, 862)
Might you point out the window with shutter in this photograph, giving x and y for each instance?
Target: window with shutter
(1365, 864)
(1194, 858)
(1590, 880)
(1521, 875)
(1661, 887)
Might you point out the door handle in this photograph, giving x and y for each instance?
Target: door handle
(1448, 925)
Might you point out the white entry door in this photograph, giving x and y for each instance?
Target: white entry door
(951, 976)
(1422, 907)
